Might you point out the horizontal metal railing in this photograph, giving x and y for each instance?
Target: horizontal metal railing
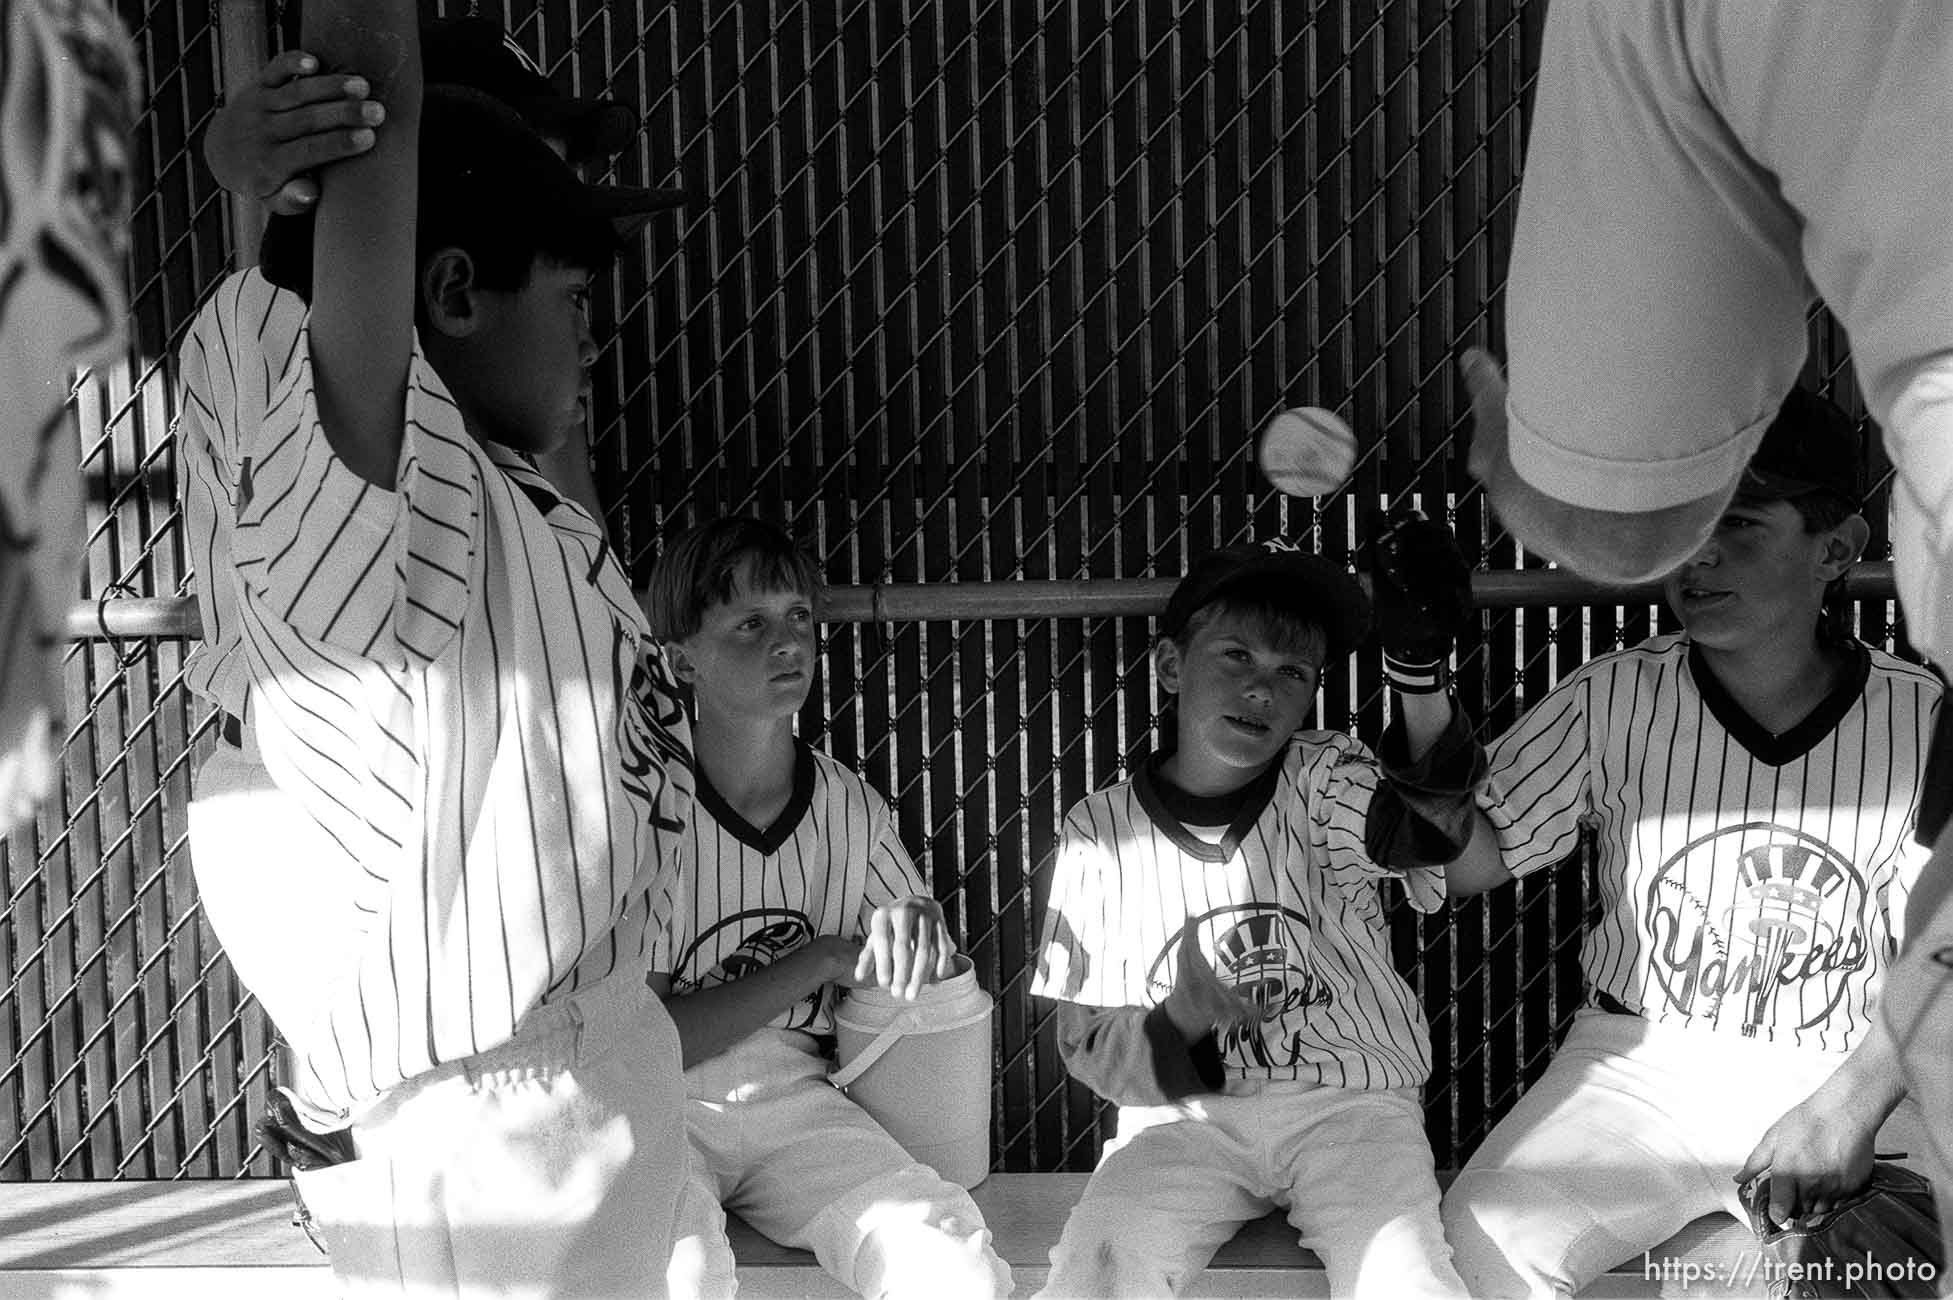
(918, 602)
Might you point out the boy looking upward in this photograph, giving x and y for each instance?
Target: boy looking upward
(1217, 941)
(792, 882)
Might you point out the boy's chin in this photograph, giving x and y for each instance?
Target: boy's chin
(1251, 754)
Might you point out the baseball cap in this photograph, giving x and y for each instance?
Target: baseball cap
(1812, 446)
(477, 52)
(1281, 571)
(484, 170)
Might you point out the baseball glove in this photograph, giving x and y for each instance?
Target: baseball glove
(1422, 590)
(1882, 1241)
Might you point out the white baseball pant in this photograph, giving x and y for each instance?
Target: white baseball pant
(1352, 1167)
(775, 1142)
(1634, 1131)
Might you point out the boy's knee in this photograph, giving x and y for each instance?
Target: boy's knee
(1105, 1251)
(701, 1268)
(920, 1249)
(1487, 1214)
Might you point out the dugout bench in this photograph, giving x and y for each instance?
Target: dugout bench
(235, 1241)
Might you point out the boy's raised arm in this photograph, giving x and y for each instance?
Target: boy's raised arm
(363, 266)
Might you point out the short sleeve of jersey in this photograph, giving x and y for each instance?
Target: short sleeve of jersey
(1537, 780)
(1078, 959)
(238, 346)
(386, 575)
(891, 873)
(1336, 776)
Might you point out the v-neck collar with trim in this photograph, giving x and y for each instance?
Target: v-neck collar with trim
(1764, 746)
(1173, 809)
(782, 827)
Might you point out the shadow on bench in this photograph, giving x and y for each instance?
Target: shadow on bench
(218, 1240)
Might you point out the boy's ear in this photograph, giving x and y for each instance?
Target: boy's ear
(1843, 545)
(1166, 664)
(447, 293)
(682, 666)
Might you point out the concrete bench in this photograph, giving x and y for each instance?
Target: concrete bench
(235, 1240)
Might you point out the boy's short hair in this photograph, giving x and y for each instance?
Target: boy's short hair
(701, 568)
(1276, 581)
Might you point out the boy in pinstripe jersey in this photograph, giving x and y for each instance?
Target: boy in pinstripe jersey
(1216, 938)
(792, 883)
(449, 674)
(1753, 782)
(268, 140)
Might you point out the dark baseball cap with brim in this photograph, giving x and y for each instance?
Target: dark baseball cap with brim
(1280, 573)
(477, 52)
(483, 169)
(1811, 446)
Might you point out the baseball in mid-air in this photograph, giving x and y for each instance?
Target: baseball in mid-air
(1307, 452)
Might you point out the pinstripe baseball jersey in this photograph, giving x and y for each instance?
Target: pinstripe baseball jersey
(455, 680)
(1751, 884)
(746, 896)
(1287, 908)
(241, 341)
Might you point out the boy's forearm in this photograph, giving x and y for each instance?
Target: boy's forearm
(715, 1020)
(363, 270)
(1425, 719)
(1135, 1057)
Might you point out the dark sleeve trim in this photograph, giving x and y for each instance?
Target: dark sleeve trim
(1182, 1069)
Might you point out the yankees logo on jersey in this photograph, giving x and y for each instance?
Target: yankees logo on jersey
(1752, 884)
(745, 896)
(1287, 907)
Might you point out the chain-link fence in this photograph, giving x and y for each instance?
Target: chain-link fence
(970, 291)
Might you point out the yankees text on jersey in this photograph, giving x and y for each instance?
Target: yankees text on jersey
(1751, 884)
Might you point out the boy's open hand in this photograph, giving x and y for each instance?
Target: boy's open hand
(293, 120)
(1200, 1004)
(908, 945)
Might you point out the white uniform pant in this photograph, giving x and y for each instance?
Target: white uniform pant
(1352, 1167)
(549, 1166)
(775, 1142)
(1634, 1131)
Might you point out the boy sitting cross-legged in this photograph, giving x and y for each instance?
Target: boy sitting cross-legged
(791, 882)
(1217, 942)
